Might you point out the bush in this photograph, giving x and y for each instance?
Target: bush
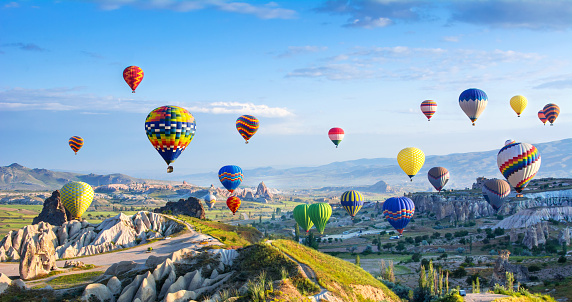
(460, 250)
(562, 259)
(416, 257)
(492, 252)
(459, 273)
(440, 250)
(533, 268)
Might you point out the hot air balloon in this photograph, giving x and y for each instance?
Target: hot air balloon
(509, 141)
(320, 213)
(542, 117)
(170, 129)
(428, 108)
(247, 125)
(438, 177)
(210, 200)
(473, 102)
(133, 75)
(336, 135)
(230, 177)
(398, 212)
(352, 201)
(495, 191)
(551, 112)
(518, 103)
(411, 160)
(518, 163)
(233, 203)
(75, 142)
(76, 197)
(301, 216)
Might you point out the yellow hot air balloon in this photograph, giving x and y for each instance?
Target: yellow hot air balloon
(518, 103)
(76, 197)
(411, 160)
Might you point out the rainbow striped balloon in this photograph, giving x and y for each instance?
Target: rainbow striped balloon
(247, 125)
(551, 112)
(398, 211)
(352, 201)
(518, 163)
(428, 108)
(231, 177)
(75, 142)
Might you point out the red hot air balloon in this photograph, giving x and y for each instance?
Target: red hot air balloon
(428, 108)
(336, 135)
(542, 117)
(133, 75)
(233, 203)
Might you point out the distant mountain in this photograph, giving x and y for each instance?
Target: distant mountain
(464, 168)
(18, 177)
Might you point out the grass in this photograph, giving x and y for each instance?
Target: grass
(237, 236)
(72, 280)
(12, 219)
(563, 288)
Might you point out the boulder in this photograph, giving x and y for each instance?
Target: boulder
(99, 291)
(38, 252)
(53, 211)
(4, 282)
(19, 284)
(119, 268)
(190, 207)
(181, 296)
(163, 269)
(128, 293)
(114, 286)
(73, 263)
(147, 291)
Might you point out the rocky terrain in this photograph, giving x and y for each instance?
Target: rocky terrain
(190, 207)
(452, 207)
(529, 217)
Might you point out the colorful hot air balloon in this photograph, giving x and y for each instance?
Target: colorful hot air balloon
(133, 75)
(336, 135)
(495, 191)
(320, 213)
(509, 141)
(518, 163)
(411, 160)
(473, 102)
(301, 216)
(428, 108)
(518, 103)
(233, 203)
(170, 129)
(75, 142)
(230, 176)
(438, 177)
(247, 125)
(210, 200)
(76, 197)
(551, 112)
(398, 212)
(352, 201)
(542, 117)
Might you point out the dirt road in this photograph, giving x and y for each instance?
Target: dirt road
(484, 297)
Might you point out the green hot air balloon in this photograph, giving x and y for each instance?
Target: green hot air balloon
(320, 214)
(301, 216)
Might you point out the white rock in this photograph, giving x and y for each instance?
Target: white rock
(74, 228)
(4, 282)
(181, 296)
(196, 281)
(163, 269)
(130, 290)
(98, 290)
(19, 284)
(168, 282)
(114, 285)
(147, 292)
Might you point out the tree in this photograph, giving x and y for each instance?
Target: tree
(297, 233)
(416, 257)
(358, 261)
(278, 211)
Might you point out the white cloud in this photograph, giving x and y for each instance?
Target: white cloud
(369, 22)
(296, 50)
(12, 5)
(240, 108)
(451, 38)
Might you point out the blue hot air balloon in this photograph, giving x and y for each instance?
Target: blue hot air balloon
(352, 201)
(230, 177)
(398, 211)
(473, 101)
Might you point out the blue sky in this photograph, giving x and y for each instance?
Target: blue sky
(301, 67)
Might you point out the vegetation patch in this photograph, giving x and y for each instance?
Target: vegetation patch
(236, 236)
(72, 280)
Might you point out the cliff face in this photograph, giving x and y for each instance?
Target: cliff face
(452, 208)
(53, 211)
(529, 217)
(190, 207)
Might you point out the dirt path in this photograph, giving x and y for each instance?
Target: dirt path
(484, 297)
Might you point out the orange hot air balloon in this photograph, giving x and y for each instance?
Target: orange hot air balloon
(133, 75)
(233, 203)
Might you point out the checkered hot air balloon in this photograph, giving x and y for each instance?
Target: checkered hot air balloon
(75, 142)
(336, 135)
(551, 112)
(428, 108)
(411, 160)
(542, 117)
(233, 203)
(247, 125)
(76, 197)
(231, 177)
(170, 129)
(473, 102)
(133, 76)
(398, 211)
(438, 177)
(352, 201)
(518, 163)
(495, 192)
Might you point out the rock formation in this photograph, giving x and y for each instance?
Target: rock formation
(502, 266)
(528, 217)
(530, 239)
(37, 251)
(452, 208)
(190, 207)
(262, 191)
(564, 236)
(53, 211)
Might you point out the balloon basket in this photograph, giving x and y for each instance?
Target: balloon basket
(169, 169)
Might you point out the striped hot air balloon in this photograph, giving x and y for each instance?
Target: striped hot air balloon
(133, 75)
(301, 216)
(336, 135)
(518, 103)
(428, 108)
(231, 177)
(233, 203)
(551, 112)
(495, 191)
(247, 125)
(473, 102)
(210, 200)
(438, 177)
(398, 211)
(411, 160)
(541, 117)
(352, 201)
(518, 163)
(76, 197)
(509, 141)
(75, 142)
(320, 213)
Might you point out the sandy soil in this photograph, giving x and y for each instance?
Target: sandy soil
(485, 297)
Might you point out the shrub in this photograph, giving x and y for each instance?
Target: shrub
(492, 252)
(533, 268)
(459, 273)
(562, 259)
(460, 250)
(416, 257)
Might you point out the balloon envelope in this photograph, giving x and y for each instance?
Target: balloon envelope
(411, 160)
(473, 102)
(247, 125)
(231, 177)
(301, 216)
(398, 212)
(210, 200)
(509, 141)
(518, 103)
(428, 108)
(518, 163)
(551, 112)
(233, 203)
(438, 177)
(320, 214)
(336, 135)
(495, 191)
(76, 197)
(352, 201)
(133, 75)
(75, 142)
(542, 117)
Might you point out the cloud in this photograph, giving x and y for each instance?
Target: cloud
(92, 54)
(369, 22)
(270, 10)
(24, 46)
(560, 82)
(451, 38)
(240, 108)
(297, 50)
(12, 5)
(334, 72)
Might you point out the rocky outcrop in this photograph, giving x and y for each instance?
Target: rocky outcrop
(262, 191)
(564, 236)
(53, 211)
(528, 217)
(452, 208)
(502, 266)
(190, 207)
(5, 281)
(98, 291)
(379, 187)
(37, 251)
